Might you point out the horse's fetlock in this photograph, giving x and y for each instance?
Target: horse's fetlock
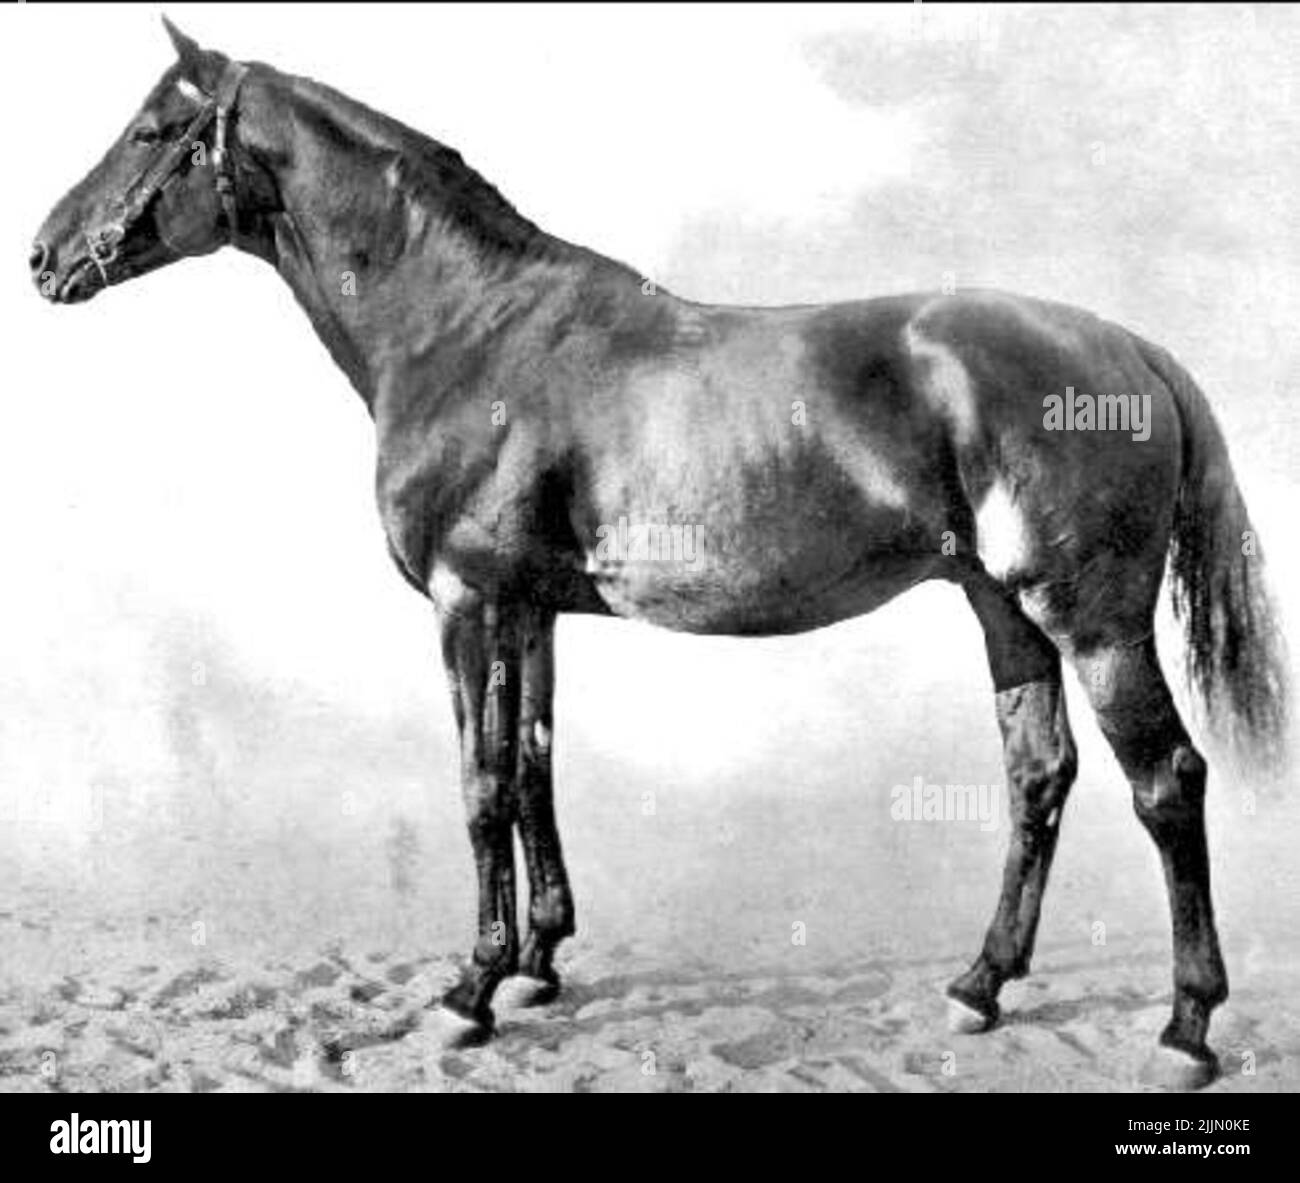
(497, 950)
(551, 912)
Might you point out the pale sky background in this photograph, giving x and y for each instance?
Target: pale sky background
(186, 480)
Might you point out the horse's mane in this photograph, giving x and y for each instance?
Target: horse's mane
(430, 175)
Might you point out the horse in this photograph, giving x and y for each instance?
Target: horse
(528, 393)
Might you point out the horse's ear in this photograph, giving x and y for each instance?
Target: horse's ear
(187, 49)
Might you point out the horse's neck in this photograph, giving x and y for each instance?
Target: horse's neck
(396, 249)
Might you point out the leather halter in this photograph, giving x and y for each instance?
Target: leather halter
(135, 199)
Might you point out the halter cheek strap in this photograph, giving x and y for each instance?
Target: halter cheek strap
(104, 242)
(227, 93)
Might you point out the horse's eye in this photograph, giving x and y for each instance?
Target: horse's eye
(145, 134)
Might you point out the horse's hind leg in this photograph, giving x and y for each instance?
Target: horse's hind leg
(1138, 718)
(1040, 764)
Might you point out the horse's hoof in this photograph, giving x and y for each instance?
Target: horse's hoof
(524, 990)
(448, 1029)
(964, 1019)
(1178, 1070)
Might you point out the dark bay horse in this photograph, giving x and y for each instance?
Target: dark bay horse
(532, 398)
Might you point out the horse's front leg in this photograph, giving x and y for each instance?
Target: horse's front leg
(550, 906)
(481, 650)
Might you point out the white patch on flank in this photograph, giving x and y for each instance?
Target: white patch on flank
(945, 382)
(1001, 535)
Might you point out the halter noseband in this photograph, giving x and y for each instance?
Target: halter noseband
(104, 242)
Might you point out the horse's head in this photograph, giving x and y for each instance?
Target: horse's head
(163, 191)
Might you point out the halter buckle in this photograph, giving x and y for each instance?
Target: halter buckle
(103, 244)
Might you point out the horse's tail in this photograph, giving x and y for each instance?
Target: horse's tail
(1235, 655)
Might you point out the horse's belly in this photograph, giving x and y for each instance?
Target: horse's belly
(691, 612)
(675, 581)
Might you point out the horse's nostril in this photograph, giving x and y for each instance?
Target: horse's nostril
(40, 254)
